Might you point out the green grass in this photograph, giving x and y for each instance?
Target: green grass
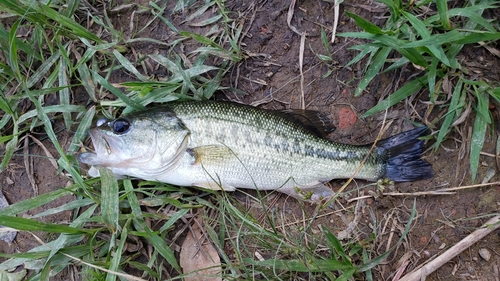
(59, 54)
(50, 50)
(431, 42)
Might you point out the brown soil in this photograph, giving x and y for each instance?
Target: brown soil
(270, 77)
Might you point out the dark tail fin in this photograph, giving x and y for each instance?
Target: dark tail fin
(402, 152)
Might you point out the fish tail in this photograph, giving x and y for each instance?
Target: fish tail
(402, 153)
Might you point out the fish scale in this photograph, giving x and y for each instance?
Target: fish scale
(276, 146)
(227, 145)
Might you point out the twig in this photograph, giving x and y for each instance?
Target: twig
(336, 12)
(289, 17)
(489, 154)
(301, 53)
(490, 49)
(442, 191)
(421, 273)
(420, 193)
(467, 186)
(28, 165)
(301, 63)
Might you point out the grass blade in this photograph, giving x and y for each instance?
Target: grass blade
(140, 225)
(404, 92)
(300, 266)
(117, 255)
(109, 199)
(438, 39)
(364, 24)
(373, 69)
(478, 37)
(51, 109)
(10, 148)
(81, 131)
(442, 7)
(450, 117)
(173, 219)
(432, 71)
(24, 224)
(159, 244)
(421, 29)
(376, 261)
(479, 133)
(73, 28)
(128, 101)
(86, 80)
(64, 92)
(129, 66)
(335, 244)
(42, 71)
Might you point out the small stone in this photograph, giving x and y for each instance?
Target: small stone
(436, 239)
(485, 254)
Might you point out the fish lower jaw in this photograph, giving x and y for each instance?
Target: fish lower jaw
(93, 172)
(88, 158)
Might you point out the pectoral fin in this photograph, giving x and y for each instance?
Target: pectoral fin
(210, 155)
(212, 159)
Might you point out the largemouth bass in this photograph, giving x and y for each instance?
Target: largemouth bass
(222, 145)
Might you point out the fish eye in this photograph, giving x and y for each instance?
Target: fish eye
(121, 126)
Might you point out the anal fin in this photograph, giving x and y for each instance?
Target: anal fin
(316, 193)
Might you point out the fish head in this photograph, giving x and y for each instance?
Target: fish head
(145, 142)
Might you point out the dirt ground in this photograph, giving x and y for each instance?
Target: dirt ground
(270, 77)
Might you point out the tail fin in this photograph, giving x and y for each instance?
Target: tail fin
(402, 152)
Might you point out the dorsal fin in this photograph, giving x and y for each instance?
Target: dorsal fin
(314, 121)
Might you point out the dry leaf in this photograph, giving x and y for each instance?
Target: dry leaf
(203, 261)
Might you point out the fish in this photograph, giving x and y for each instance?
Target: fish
(224, 145)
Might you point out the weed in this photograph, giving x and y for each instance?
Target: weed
(431, 41)
(47, 55)
(298, 257)
(49, 49)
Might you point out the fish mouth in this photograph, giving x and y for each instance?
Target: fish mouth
(101, 145)
(102, 149)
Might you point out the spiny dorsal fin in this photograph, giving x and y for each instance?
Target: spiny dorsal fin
(314, 121)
